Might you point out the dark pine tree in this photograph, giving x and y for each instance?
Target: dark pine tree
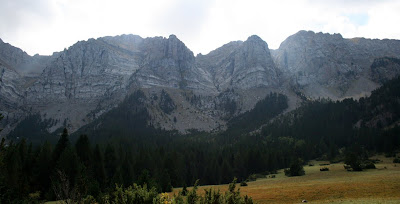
(127, 170)
(62, 143)
(83, 150)
(110, 165)
(99, 173)
(43, 169)
(70, 165)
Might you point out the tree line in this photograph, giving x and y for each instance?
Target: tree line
(161, 160)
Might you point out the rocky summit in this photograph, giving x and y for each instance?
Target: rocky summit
(76, 86)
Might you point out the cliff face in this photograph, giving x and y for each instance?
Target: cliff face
(325, 65)
(79, 84)
(167, 62)
(87, 70)
(241, 65)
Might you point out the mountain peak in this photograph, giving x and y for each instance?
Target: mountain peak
(254, 38)
(172, 36)
(311, 34)
(255, 41)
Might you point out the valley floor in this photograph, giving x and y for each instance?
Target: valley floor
(381, 185)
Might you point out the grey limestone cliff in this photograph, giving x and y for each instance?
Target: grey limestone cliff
(241, 65)
(325, 65)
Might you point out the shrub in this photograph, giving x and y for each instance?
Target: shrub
(135, 194)
(324, 169)
(212, 196)
(243, 183)
(354, 161)
(89, 200)
(192, 195)
(396, 160)
(34, 197)
(252, 177)
(296, 168)
(369, 165)
(389, 154)
(184, 190)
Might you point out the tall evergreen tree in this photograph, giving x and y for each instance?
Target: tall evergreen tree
(83, 150)
(127, 170)
(110, 164)
(43, 169)
(69, 164)
(144, 178)
(98, 167)
(165, 181)
(62, 143)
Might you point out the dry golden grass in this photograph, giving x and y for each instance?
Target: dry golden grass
(381, 185)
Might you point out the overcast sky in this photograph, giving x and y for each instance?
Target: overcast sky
(46, 26)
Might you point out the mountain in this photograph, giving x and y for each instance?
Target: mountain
(324, 65)
(179, 91)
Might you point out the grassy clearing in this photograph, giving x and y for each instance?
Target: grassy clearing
(381, 185)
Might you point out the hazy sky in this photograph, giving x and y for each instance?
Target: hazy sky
(46, 26)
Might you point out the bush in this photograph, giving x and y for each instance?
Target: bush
(212, 196)
(89, 200)
(184, 190)
(369, 165)
(324, 169)
(192, 195)
(232, 196)
(243, 183)
(296, 168)
(252, 177)
(135, 194)
(389, 154)
(34, 197)
(354, 161)
(396, 160)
